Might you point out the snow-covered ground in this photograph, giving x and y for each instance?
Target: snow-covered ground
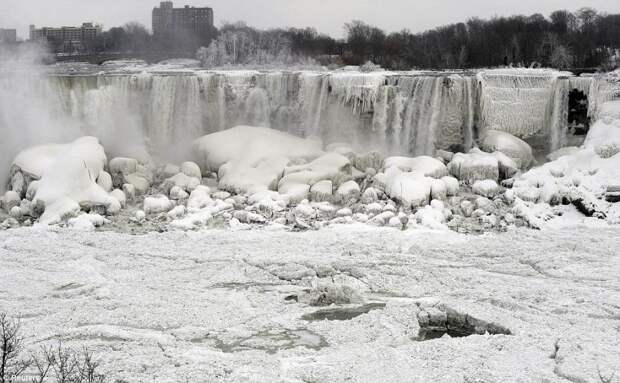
(234, 306)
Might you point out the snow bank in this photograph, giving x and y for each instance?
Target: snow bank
(582, 177)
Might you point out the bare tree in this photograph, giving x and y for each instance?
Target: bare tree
(57, 364)
(11, 366)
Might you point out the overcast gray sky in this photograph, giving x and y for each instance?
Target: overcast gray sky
(327, 16)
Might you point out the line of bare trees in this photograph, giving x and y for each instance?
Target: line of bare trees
(581, 39)
(565, 39)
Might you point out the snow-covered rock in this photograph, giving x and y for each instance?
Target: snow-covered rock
(331, 166)
(486, 188)
(191, 169)
(105, 181)
(199, 198)
(439, 189)
(157, 204)
(431, 216)
(140, 184)
(344, 212)
(177, 193)
(87, 222)
(170, 170)
(452, 185)
(423, 165)
(70, 179)
(410, 189)
(295, 192)
(322, 191)
(130, 191)
(177, 212)
(370, 195)
(508, 167)
(120, 196)
(182, 181)
(121, 166)
(10, 200)
(474, 166)
(348, 192)
(515, 148)
(372, 160)
(251, 159)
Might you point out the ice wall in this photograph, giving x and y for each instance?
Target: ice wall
(156, 115)
(162, 112)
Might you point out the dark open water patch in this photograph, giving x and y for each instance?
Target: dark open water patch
(342, 313)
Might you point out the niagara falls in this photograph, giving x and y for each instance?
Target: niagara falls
(430, 195)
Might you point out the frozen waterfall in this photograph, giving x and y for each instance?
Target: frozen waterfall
(156, 115)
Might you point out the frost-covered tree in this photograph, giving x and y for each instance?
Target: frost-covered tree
(239, 44)
(561, 58)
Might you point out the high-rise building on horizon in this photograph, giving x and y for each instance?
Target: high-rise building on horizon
(66, 39)
(8, 36)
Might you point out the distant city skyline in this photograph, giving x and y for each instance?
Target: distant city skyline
(327, 16)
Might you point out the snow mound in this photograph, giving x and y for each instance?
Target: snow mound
(410, 189)
(515, 148)
(36, 160)
(69, 180)
(250, 159)
(423, 165)
(582, 177)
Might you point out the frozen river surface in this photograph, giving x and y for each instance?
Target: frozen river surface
(232, 306)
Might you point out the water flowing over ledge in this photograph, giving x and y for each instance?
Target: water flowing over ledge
(411, 113)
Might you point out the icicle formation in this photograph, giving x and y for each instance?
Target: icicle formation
(160, 113)
(157, 114)
(517, 100)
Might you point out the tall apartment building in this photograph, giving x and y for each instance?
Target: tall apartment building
(66, 39)
(187, 22)
(8, 36)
